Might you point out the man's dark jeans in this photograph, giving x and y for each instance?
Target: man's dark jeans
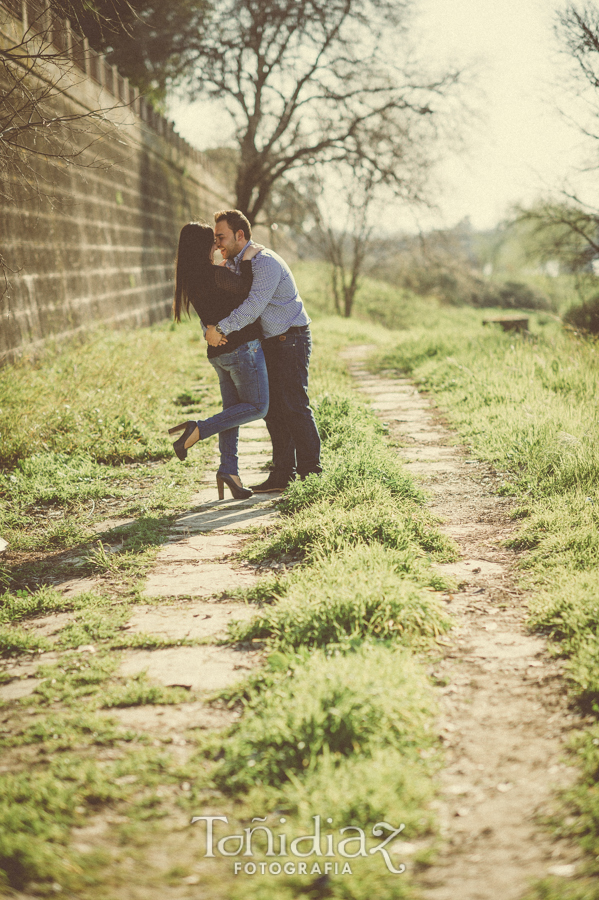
(290, 421)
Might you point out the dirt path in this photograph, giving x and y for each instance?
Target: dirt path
(504, 716)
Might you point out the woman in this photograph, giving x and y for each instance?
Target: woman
(214, 292)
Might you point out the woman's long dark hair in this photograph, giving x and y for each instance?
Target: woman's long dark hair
(193, 254)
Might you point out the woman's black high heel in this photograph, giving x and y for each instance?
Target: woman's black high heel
(239, 493)
(181, 446)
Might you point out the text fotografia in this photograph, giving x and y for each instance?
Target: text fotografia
(349, 843)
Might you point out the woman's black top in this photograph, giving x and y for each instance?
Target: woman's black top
(215, 292)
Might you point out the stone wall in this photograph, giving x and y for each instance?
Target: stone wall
(92, 239)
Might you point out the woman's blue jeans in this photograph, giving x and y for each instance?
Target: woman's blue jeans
(244, 389)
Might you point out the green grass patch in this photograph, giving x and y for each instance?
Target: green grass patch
(364, 592)
(76, 678)
(363, 497)
(138, 691)
(528, 405)
(39, 807)
(341, 705)
(65, 731)
(15, 640)
(88, 442)
(84, 438)
(108, 398)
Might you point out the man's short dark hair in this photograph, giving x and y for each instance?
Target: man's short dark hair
(235, 220)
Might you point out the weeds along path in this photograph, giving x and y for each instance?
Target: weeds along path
(504, 715)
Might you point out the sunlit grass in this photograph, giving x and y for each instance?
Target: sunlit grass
(364, 592)
(88, 442)
(529, 406)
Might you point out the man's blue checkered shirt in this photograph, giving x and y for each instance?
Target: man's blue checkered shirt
(274, 297)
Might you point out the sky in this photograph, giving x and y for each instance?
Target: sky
(519, 147)
(522, 146)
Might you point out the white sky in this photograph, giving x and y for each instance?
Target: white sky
(521, 146)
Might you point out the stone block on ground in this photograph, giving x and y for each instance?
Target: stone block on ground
(198, 668)
(166, 720)
(193, 620)
(236, 515)
(15, 690)
(74, 586)
(468, 567)
(201, 579)
(200, 546)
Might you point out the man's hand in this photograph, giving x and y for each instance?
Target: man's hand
(214, 338)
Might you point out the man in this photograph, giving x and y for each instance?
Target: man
(287, 344)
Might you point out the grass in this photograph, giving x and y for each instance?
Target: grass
(339, 706)
(100, 399)
(339, 719)
(528, 406)
(363, 592)
(88, 443)
(85, 433)
(67, 730)
(39, 807)
(363, 497)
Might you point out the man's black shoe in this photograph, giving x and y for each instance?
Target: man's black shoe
(271, 485)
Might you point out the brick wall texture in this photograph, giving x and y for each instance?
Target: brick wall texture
(92, 240)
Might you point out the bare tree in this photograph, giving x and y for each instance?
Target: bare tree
(40, 59)
(318, 81)
(343, 235)
(567, 228)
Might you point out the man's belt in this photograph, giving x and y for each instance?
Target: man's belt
(295, 329)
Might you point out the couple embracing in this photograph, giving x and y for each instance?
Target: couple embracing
(259, 344)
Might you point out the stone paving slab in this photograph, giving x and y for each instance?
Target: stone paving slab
(405, 418)
(247, 433)
(74, 586)
(201, 579)
(431, 467)
(199, 668)
(200, 547)
(231, 517)
(246, 447)
(194, 620)
(112, 524)
(16, 690)
(386, 405)
(410, 405)
(399, 397)
(253, 461)
(466, 567)
(429, 435)
(162, 720)
(431, 452)
(368, 387)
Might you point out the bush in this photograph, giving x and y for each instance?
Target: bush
(584, 317)
(514, 295)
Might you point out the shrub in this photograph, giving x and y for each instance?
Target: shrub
(584, 316)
